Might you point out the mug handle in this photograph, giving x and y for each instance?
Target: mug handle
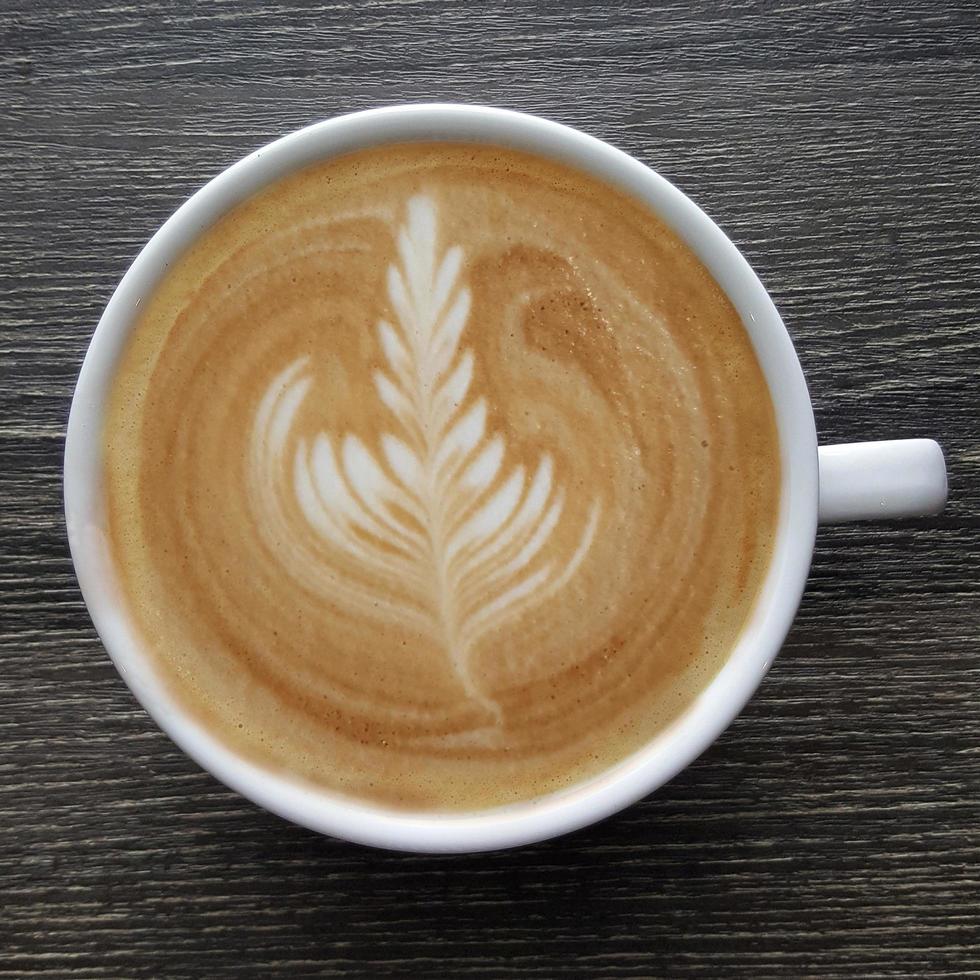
(862, 481)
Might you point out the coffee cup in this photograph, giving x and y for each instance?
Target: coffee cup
(860, 481)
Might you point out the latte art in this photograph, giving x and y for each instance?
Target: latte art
(437, 532)
(439, 475)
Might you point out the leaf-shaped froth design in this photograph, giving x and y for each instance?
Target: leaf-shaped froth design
(441, 532)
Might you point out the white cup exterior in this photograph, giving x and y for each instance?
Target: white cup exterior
(670, 751)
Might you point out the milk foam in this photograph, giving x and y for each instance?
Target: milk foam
(442, 534)
(439, 475)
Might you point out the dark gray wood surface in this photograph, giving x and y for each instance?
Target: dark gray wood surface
(833, 831)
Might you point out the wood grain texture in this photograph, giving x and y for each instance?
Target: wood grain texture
(834, 831)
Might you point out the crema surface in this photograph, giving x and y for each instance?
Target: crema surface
(439, 475)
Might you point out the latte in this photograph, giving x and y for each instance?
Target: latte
(439, 475)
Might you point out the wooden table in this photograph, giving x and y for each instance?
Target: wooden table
(833, 831)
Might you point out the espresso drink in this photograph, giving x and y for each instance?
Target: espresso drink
(439, 475)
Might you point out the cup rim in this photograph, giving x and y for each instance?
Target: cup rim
(673, 748)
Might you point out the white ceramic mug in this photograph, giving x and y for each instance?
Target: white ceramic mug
(864, 480)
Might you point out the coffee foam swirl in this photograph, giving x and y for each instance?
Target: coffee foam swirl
(440, 475)
(437, 533)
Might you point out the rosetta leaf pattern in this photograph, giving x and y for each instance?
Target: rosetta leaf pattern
(446, 533)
